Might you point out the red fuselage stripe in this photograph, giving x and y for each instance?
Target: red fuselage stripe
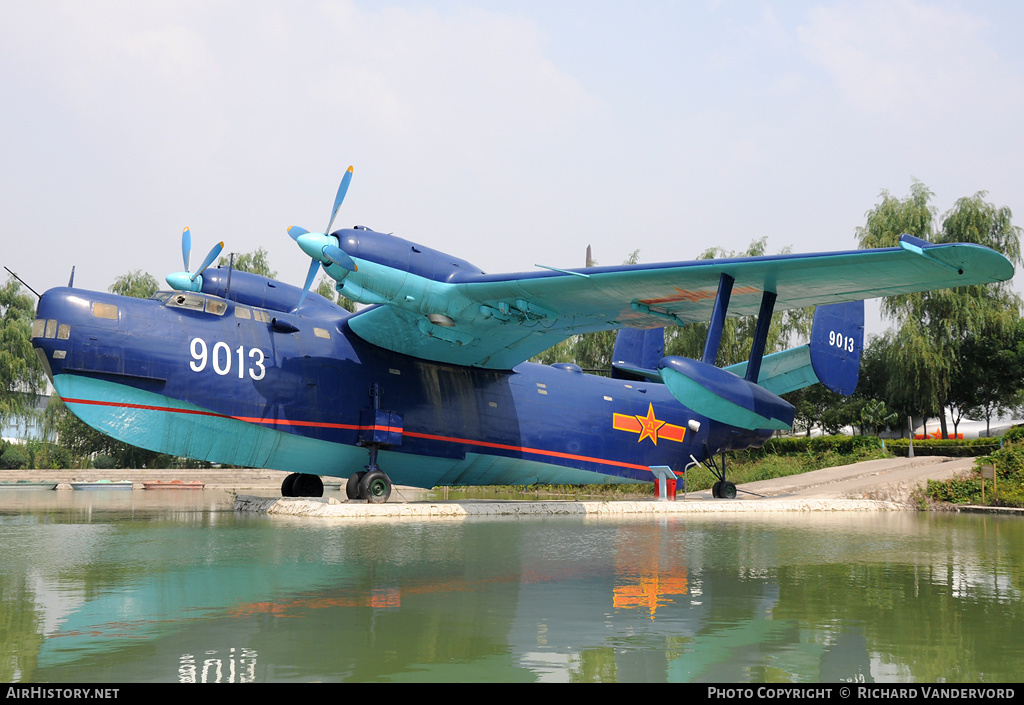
(357, 427)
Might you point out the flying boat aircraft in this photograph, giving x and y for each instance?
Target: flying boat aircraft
(430, 383)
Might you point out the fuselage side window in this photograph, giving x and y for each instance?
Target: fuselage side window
(104, 310)
(242, 312)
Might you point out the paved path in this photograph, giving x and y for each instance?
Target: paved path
(889, 478)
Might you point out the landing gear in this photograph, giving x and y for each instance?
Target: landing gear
(722, 489)
(302, 485)
(374, 486)
(378, 428)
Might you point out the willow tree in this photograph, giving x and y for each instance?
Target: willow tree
(136, 283)
(931, 327)
(21, 376)
(255, 262)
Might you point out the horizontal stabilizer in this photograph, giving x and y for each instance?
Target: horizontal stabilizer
(832, 357)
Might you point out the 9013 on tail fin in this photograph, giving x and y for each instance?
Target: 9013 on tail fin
(837, 339)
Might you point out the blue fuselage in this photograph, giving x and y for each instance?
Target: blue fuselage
(228, 380)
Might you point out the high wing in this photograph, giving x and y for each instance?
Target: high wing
(498, 321)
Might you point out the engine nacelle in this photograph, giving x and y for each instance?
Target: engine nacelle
(723, 396)
(390, 270)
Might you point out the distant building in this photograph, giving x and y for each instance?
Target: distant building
(18, 429)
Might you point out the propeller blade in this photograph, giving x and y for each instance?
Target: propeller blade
(339, 257)
(314, 266)
(209, 260)
(342, 190)
(295, 231)
(186, 245)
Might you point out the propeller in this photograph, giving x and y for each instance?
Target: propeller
(322, 248)
(191, 281)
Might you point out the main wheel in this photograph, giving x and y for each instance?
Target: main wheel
(352, 486)
(288, 485)
(727, 490)
(306, 485)
(375, 487)
(716, 489)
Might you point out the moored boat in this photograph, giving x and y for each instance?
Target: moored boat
(102, 485)
(173, 485)
(28, 485)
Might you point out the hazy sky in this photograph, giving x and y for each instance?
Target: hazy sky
(506, 133)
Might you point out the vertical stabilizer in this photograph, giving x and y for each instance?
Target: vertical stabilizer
(837, 339)
(640, 349)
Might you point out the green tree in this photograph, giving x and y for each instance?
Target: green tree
(21, 375)
(923, 352)
(992, 374)
(254, 262)
(136, 283)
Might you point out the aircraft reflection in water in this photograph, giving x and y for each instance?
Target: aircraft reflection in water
(236, 666)
(429, 384)
(823, 598)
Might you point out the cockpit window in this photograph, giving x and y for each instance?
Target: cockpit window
(216, 306)
(197, 302)
(192, 302)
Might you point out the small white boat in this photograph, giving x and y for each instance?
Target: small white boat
(102, 485)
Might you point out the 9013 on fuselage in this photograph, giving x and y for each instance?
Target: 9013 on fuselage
(229, 375)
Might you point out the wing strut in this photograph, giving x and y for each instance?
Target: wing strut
(714, 338)
(764, 320)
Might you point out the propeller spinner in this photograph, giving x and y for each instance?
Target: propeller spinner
(189, 281)
(323, 248)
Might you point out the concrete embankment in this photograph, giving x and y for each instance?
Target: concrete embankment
(461, 509)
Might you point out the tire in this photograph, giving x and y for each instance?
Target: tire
(727, 490)
(375, 487)
(352, 486)
(715, 488)
(307, 485)
(288, 485)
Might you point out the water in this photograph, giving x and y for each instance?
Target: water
(119, 587)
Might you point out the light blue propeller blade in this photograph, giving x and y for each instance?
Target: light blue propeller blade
(342, 190)
(314, 266)
(209, 259)
(186, 246)
(295, 231)
(339, 257)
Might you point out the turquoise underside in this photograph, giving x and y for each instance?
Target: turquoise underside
(203, 435)
(714, 406)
